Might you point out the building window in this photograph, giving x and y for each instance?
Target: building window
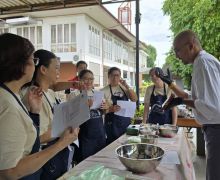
(4, 30)
(107, 46)
(117, 51)
(131, 59)
(143, 60)
(125, 74)
(94, 41)
(63, 38)
(95, 68)
(125, 55)
(33, 33)
(39, 35)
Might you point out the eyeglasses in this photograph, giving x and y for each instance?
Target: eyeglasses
(88, 79)
(36, 61)
(115, 75)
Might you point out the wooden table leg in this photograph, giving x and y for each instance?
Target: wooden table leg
(200, 150)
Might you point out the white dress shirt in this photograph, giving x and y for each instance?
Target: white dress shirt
(205, 88)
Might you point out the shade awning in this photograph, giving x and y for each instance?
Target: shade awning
(13, 6)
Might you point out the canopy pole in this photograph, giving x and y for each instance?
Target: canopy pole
(137, 22)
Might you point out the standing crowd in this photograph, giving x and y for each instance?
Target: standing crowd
(28, 85)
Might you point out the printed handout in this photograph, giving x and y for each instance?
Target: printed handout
(127, 108)
(70, 114)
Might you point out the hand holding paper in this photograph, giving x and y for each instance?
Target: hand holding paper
(127, 108)
(70, 114)
(114, 108)
(69, 135)
(98, 97)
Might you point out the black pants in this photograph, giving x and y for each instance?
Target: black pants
(212, 139)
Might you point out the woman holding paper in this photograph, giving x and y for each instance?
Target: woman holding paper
(46, 75)
(117, 89)
(92, 134)
(19, 140)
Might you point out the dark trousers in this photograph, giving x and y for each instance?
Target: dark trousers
(212, 139)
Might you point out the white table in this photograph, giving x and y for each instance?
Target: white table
(165, 171)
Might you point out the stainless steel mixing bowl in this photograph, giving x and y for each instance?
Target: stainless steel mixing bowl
(140, 157)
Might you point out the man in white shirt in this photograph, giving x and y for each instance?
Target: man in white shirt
(205, 94)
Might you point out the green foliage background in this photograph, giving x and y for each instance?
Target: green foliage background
(152, 55)
(201, 16)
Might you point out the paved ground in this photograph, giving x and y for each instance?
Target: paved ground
(199, 165)
(198, 161)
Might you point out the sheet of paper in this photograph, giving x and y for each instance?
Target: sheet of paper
(170, 157)
(127, 108)
(98, 96)
(70, 114)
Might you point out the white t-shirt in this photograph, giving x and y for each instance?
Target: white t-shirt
(205, 88)
(46, 115)
(116, 90)
(17, 132)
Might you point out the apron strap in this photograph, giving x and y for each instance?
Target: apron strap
(153, 91)
(120, 88)
(16, 98)
(35, 123)
(164, 88)
(51, 107)
(110, 89)
(124, 92)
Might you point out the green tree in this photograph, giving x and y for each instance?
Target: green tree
(201, 16)
(152, 55)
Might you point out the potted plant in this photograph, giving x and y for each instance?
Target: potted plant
(138, 117)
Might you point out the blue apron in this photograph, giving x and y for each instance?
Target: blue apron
(116, 125)
(36, 145)
(35, 148)
(92, 135)
(156, 117)
(57, 165)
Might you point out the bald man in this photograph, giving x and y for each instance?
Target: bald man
(205, 94)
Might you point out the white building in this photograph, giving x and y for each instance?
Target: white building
(89, 33)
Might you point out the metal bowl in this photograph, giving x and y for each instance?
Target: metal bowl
(168, 130)
(140, 157)
(150, 139)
